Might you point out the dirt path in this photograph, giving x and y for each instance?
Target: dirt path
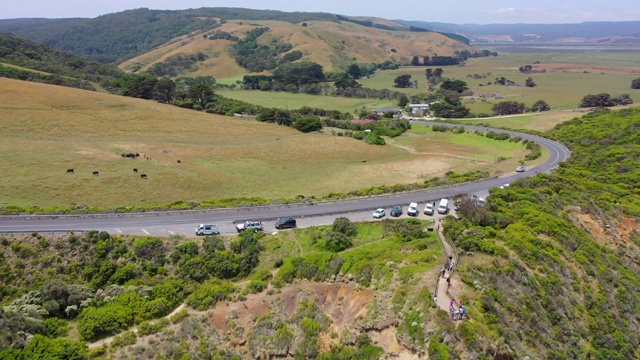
(443, 297)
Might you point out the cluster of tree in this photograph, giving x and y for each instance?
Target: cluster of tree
(256, 57)
(514, 107)
(303, 123)
(173, 65)
(605, 100)
(221, 35)
(504, 81)
(435, 60)
(404, 81)
(528, 69)
(434, 76)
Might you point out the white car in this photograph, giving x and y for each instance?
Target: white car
(428, 209)
(504, 186)
(206, 229)
(249, 225)
(379, 213)
(520, 168)
(413, 209)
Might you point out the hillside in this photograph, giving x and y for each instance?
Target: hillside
(335, 39)
(331, 44)
(29, 60)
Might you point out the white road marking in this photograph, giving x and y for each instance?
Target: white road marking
(119, 231)
(145, 231)
(171, 232)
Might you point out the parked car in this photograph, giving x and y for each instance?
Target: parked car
(249, 225)
(520, 168)
(379, 213)
(285, 223)
(428, 208)
(443, 207)
(207, 229)
(412, 210)
(396, 211)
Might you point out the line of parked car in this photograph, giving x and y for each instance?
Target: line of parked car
(255, 225)
(412, 209)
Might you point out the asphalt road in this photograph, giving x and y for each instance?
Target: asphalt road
(307, 214)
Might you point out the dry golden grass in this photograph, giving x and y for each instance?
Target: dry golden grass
(332, 45)
(44, 130)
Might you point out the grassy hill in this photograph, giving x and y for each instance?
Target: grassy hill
(331, 44)
(64, 128)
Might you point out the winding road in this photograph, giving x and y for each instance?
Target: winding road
(307, 214)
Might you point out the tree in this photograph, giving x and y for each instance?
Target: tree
(458, 86)
(415, 61)
(526, 69)
(623, 99)
(305, 72)
(598, 100)
(307, 123)
(540, 105)
(354, 71)
(508, 108)
(345, 226)
(403, 100)
(635, 83)
(164, 90)
(530, 83)
(446, 110)
(141, 87)
(403, 81)
(201, 90)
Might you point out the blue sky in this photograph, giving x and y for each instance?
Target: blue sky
(458, 12)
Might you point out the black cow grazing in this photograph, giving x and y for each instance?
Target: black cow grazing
(69, 171)
(135, 170)
(143, 176)
(130, 155)
(179, 161)
(96, 173)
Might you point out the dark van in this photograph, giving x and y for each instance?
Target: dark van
(286, 223)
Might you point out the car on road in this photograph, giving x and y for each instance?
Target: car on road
(250, 225)
(428, 208)
(207, 229)
(520, 168)
(396, 211)
(378, 213)
(504, 186)
(412, 210)
(285, 223)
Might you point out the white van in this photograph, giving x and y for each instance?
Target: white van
(443, 207)
(206, 229)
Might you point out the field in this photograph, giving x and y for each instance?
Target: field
(562, 86)
(221, 157)
(292, 101)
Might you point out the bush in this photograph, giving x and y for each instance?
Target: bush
(345, 226)
(209, 294)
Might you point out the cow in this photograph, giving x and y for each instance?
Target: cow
(96, 173)
(69, 171)
(135, 170)
(143, 176)
(179, 162)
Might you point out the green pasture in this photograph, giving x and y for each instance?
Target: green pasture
(291, 101)
(561, 89)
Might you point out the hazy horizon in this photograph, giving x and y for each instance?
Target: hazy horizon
(463, 12)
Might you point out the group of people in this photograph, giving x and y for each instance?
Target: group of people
(460, 313)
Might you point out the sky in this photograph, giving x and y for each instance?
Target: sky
(457, 11)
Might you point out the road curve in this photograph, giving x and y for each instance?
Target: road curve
(183, 222)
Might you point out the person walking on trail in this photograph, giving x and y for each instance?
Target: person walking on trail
(451, 303)
(449, 283)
